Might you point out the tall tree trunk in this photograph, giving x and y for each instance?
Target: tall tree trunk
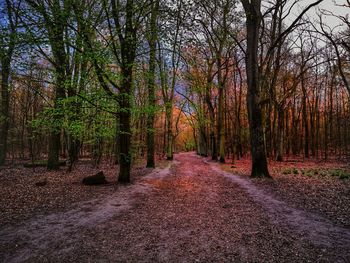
(125, 131)
(305, 120)
(202, 144)
(169, 121)
(151, 85)
(117, 143)
(220, 128)
(253, 19)
(221, 101)
(9, 41)
(164, 136)
(214, 149)
(287, 135)
(238, 102)
(213, 141)
(55, 133)
(54, 150)
(202, 140)
(128, 53)
(4, 108)
(294, 130)
(280, 137)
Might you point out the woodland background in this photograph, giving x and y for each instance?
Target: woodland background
(141, 79)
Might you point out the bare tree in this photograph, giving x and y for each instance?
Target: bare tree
(8, 41)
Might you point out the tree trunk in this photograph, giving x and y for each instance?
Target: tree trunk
(55, 133)
(253, 19)
(169, 121)
(220, 128)
(280, 139)
(73, 151)
(8, 44)
(128, 50)
(213, 141)
(305, 120)
(4, 109)
(117, 143)
(54, 150)
(151, 86)
(125, 131)
(202, 144)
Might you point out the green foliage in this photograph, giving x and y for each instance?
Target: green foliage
(89, 115)
(76, 128)
(190, 145)
(48, 120)
(340, 173)
(287, 171)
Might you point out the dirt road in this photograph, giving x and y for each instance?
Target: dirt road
(190, 212)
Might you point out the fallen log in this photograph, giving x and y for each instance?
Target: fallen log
(41, 164)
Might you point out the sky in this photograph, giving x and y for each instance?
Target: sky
(329, 5)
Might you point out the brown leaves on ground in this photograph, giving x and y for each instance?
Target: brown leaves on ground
(190, 213)
(26, 192)
(312, 185)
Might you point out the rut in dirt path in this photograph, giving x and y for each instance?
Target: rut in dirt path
(315, 228)
(191, 212)
(42, 232)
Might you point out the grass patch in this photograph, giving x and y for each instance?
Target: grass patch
(339, 173)
(288, 171)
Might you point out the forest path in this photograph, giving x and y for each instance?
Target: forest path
(192, 212)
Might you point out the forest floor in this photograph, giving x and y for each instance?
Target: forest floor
(192, 210)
